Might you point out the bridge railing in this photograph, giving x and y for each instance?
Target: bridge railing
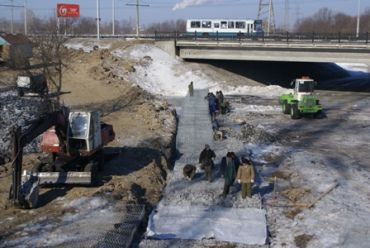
(287, 37)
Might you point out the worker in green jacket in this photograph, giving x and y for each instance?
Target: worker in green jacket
(229, 173)
(245, 177)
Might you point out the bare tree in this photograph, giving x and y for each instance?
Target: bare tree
(166, 26)
(51, 53)
(325, 21)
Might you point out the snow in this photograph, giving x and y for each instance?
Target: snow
(89, 216)
(355, 68)
(161, 74)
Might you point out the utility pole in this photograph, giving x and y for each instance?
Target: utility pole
(25, 17)
(98, 19)
(266, 7)
(113, 15)
(12, 6)
(286, 15)
(137, 16)
(11, 22)
(358, 18)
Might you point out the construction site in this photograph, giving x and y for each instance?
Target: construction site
(125, 186)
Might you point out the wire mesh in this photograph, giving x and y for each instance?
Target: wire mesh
(119, 234)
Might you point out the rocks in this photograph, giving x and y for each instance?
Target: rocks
(17, 111)
(257, 135)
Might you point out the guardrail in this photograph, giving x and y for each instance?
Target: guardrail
(286, 37)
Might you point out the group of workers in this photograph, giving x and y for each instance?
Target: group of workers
(232, 169)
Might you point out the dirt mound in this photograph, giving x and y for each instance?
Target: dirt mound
(296, 194)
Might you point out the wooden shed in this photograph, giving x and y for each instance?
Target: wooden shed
(15, 50)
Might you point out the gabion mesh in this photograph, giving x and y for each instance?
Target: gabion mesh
(119, 234)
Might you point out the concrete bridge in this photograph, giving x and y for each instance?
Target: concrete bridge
(292, 51)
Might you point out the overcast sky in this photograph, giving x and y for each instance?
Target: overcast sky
(161, 10)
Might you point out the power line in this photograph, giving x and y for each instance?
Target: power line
(137, 14)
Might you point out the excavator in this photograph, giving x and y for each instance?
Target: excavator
(73, 143)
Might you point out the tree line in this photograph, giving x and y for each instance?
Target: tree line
(327, 21)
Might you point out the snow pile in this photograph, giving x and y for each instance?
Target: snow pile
(160, 73)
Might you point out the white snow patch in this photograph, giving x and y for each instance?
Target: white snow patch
(91, 217)
(168, 76)
(354, 68)
(257, 108)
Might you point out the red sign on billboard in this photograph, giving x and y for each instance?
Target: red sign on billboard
(68, 10)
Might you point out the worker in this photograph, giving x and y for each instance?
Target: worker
(206, 160)
(212, 105)
(229, 173)
(191, 88)
(189, 171)
(245, 177)
(220, 98)
(236, 160)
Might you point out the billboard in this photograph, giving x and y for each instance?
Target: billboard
(68, 10)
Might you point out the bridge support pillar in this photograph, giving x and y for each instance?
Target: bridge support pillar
(168, 46)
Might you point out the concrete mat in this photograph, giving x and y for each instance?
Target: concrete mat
(240, 225)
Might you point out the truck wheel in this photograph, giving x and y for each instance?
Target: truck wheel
(294, 112)
(318, 115)
(286, 107)
(93, 169)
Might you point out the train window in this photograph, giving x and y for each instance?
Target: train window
(206, 24)
(230, 25)
(223, 24)
(216, 25)
(240, 25)
(195, 24)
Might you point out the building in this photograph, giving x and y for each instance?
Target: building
(15, 50)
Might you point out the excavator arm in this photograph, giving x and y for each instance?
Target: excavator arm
(20, 139)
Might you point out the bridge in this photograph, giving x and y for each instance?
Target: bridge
(333, 48)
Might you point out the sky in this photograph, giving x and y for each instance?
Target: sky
(162, 10)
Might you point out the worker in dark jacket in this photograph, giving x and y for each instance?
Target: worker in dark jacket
(206, 160)
(236, 160)
(229, 173)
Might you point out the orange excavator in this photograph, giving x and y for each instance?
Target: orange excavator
(73, 142)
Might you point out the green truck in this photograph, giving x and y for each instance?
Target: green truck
(303, 101)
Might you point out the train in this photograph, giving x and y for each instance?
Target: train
(225, 27)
